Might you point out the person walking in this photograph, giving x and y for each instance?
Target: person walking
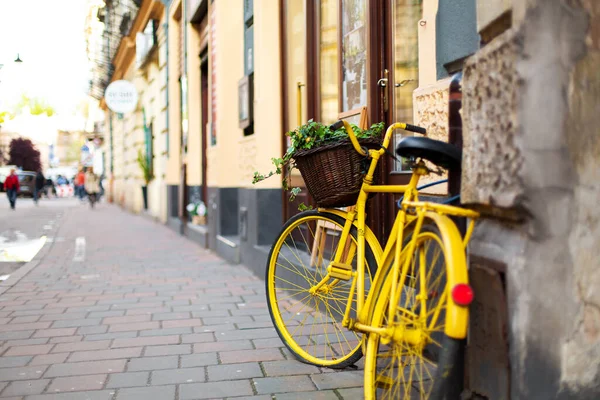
(80, 184)
(92, 185)
(40, 182)
(12, 187)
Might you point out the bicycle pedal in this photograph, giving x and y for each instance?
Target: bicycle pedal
(340, 271)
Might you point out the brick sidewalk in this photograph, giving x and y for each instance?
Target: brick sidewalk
(139, 312)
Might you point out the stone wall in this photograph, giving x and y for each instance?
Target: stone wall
(532, 147)
(430, 104)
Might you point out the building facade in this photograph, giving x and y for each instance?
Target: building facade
(221, 82)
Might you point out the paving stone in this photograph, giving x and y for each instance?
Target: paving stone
(321, 395)
(77, 383)
(288, 367)
(267, 343)
(152, 363)
(222, 346)
(87, 309)
(21, 373)
(344, 379)
(180, 323)
(16, 335)
(234, 371)
(25, 319)
(125, 319)
(198, 338)
(29, 350)
(146, 341)
(212, 390)
(49, 359)
(63, 317)
(127, 379)
(170, 316)
(229, 357)
(181, 375)
(247, 334)
(168, 350)
(198, 360)
(24, 327)
(105, 354)
(43, 333)
(352, 393)
(18, 361)
(25, 342)
(300, 383)
(85, 368)
(108, 336)
(106, 314)
(145, 393)
(81, 346)
(92, 330)
(66, 339)
(166, 332)
(24, 388)
(134, 326)
(70, 323)
(90, 395)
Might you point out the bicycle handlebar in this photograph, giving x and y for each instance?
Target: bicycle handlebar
(398, 125)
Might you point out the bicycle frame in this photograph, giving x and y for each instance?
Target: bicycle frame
(457, 317)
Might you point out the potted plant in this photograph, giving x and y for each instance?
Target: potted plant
(198, 212)
(147, 175)
(332, 170)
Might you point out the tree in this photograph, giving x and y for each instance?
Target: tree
(23, 153)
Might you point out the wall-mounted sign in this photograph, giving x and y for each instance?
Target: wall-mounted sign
(245, 101)
(121, 96)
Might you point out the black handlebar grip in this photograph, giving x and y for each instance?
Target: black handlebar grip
(417, 129)
(336, 125)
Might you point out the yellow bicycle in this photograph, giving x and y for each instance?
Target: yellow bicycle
(335, 293)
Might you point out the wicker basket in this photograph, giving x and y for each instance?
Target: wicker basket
(334, 173)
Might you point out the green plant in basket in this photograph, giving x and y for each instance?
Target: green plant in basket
(310, 136)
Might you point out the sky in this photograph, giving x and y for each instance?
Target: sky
(49, 37)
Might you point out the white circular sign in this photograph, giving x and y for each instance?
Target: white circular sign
(121, 96)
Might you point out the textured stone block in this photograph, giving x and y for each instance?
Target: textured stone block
(492, 157)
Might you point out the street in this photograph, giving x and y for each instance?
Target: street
(22, 230)
(116, 306)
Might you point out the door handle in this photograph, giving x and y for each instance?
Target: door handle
(404, 82)
(299, 100)
(382, 83)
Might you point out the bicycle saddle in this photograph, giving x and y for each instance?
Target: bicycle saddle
(440, 153)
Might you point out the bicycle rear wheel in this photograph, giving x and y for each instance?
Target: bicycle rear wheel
(310, 324)
(397, 369)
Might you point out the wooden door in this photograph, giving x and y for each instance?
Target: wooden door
(394, 50)
(204, 119)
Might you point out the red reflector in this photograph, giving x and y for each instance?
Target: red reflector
(462, 294)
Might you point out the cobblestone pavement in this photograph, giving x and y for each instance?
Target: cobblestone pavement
(119, 307)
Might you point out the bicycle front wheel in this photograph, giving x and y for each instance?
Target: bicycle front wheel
(310, 324)
(424, 367)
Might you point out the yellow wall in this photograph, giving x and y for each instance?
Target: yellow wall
(193, 157)
(223, 170)
(266, 141)
(173, 163)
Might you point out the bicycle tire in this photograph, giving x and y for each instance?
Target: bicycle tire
(384, 381)
(299, 340)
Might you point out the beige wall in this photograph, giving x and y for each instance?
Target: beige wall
(256, 151)
(223, 170)
(193, 157)
(173, 162)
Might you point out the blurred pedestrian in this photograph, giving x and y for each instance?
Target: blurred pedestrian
(80, 184)
(92, 185)
(12, 187)
(38, 188)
